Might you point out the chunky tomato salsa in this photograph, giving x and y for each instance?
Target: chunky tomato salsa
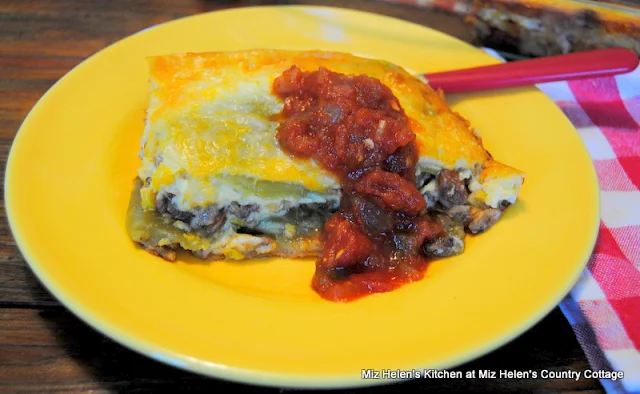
(355, 127)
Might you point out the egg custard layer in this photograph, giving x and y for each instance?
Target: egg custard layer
(213, 179)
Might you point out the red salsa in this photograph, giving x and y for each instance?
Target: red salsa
(355, 127)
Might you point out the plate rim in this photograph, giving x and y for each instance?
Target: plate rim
(244, 375)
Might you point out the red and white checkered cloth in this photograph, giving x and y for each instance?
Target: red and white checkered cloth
(604, 305)
(461, 7)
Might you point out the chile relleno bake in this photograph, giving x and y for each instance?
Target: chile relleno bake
(544, 27)
(349, 160)
(551, 27)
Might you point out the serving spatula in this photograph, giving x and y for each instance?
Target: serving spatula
(587, 64)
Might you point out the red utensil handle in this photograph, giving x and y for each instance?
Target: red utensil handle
(596, 63)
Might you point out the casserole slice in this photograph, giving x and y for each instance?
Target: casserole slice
(215, 181)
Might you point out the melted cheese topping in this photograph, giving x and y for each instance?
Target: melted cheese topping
(210, 116)
(205, 122)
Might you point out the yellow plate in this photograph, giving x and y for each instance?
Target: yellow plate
(70, 173)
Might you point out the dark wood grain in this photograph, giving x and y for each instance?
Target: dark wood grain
(51, 350)
(44, 348)
(18, 286)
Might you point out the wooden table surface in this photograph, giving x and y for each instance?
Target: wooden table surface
(43, 347)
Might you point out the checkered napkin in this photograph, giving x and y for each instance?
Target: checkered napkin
(604, 305)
